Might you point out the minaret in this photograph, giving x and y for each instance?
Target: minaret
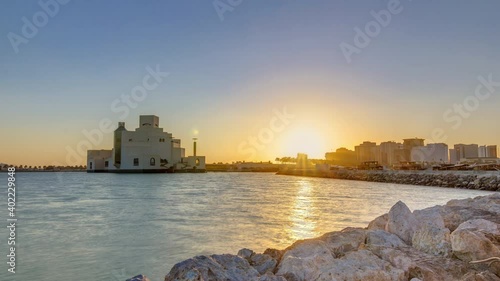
(194, 146)
(118, 144)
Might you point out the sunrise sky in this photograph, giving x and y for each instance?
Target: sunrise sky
(227, 78)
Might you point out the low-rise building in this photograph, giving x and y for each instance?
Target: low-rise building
(148, 149)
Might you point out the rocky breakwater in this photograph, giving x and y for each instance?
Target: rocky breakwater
(489, 181)
(439, 243)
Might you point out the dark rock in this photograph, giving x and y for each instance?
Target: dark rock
(138, 278)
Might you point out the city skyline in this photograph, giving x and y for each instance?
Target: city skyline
(429, 71)
(479, 148)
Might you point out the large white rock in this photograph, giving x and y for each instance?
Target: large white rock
(360, 265)
(263, 263)
(482, 225)
(402, 222)
(417, 264)
(380, 238)
(490, 203)
(305, 260)
(341, 242)
(432, 240)
(432, 236)
(477, 240)
(378, 223)
(215, 267)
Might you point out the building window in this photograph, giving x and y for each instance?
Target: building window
(152, 161)
(136, 161)
(106, 164)
(90, 165)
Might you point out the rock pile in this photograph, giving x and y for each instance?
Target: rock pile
(489, 182)
(436, 243)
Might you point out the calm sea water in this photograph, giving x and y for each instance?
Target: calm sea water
(78, 226)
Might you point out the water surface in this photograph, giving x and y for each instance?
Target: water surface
(78, 226)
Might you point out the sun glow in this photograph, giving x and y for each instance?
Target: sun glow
(304, 140)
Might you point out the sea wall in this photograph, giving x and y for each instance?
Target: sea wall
(489, 181)
(457, 241)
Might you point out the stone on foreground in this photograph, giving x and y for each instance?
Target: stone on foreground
(402, 222)
(433, 244)
(431, 235)
(477, 240)
(215, 267)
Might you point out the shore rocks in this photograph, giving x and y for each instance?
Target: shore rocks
(431, 236)
(215, 267)
(477, 240)
(402, 222)
(433, 244)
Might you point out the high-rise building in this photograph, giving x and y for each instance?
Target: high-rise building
(431, 153)
(482, 151)
(388, 150)
(404, 155)
(367, 151)
(453, 156)
(488, 151)
(464, 151)
(492, 151)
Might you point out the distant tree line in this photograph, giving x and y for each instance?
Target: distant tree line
(43, 168)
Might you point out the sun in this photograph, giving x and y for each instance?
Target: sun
(304, 140)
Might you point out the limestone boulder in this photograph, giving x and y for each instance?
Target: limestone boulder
(304, 260)
(360, 265)
(213, 268)
(482, 225)
(341, 242)
(378, 223)
(490, 203)
(402, 222)
(246, 253)
(454, 215)
(381, 238)
(417, 264)
(263, 263)
(431, 236)
(477, 240)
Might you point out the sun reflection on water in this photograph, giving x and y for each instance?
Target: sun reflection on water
(303, 217)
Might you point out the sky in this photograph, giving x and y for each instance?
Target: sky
(252, 80)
